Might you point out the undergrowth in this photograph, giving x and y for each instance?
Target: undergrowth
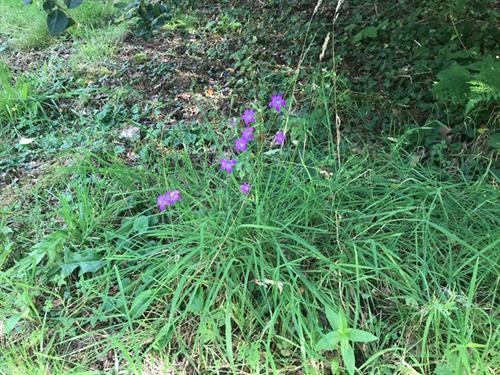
(225, 282)
(353, 237)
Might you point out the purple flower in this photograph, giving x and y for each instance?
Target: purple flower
(245, 188)
(248, 116)
(168, 199)
(247, 134)
(227, 165)
(240, 144)
(277, 102)
(280, 138)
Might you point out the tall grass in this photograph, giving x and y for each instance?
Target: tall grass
(222, 282)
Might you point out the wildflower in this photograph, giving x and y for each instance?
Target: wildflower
(245, 188)
(168, 199)
(247, 134)
(240, 144)
(280, 138)
(227, 165)
(248, 116)
(277, 102)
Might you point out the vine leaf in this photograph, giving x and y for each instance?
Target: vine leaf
(57, 22)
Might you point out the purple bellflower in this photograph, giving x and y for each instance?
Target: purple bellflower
(245, 188)
(227, 165)
(248, 116)
(168, 199)
(277, 102)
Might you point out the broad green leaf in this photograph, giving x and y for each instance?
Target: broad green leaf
(494, 141)
(452, 84)
(328, 342)
(141, 224)
(357, 335)
(88, 262)
(73, 3)
(348, 356)
(90, 266)
(48, 5)
(57, 22)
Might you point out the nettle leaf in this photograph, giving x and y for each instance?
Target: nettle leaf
(71, 4)
(328, 342)
(453, 84)
(57, 22)
(348, 356)
(357, 335)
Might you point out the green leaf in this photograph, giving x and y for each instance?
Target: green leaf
(333, 318)
(57, 22)
(141, 303)
(328, 342)
(12, 322)
(369, 32)
(88, 262)
(90, 266)
(48, 5)
(348, 356)
(494, 141)
(121, 5)
(334, 366)
(50, 246)
(453, 84)
(141, 224)
(196, 303)
(358, 335)
(343, 327)
(73, 3)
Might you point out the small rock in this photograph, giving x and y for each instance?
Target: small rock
(131, 133)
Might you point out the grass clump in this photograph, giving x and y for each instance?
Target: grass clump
(224, 282)
(96, 46)
(23, 26)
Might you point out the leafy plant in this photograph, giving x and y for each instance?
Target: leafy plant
(341, 337)
(473, 85)
(58, 18)
(148, 15)
(14, 96)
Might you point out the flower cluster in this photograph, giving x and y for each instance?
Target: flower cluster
(168, 199)
(240, 145)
